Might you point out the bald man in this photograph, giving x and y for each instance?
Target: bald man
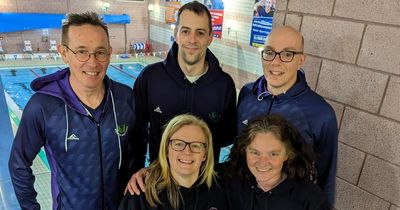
(283, 90)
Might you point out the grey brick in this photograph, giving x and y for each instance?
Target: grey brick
(350, 197)
(350, 162)
(381, 178)
(335, 39)
(380, 48)
(319, 7)
(386, 11)
(371, 134)
(312, 67)
(351, 85)
(390, 106)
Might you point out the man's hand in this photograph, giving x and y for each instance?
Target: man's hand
(137, 179)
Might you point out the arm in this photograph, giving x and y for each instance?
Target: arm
(326, 149)
(229, 119)
(140, 131)
(27, 143)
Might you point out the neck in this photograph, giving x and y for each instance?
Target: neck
(267, 185)
(90, 97)
(185, 181)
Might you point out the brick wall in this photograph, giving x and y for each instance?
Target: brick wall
(354, 50)
(136, 31)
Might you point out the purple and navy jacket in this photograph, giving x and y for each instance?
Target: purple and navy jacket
(87, 158)
(307, 111)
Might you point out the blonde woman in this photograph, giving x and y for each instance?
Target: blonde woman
(183, 176)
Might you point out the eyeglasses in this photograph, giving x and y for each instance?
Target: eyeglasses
(84, 55)
(284, 56)
(180, 145)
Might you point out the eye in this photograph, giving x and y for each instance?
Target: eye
(287, 54)
(101, 53)
(82, 52)
(185, 31)
(201, 33)
(269, 52)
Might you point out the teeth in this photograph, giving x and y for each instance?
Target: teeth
(91, 73)
(263, 169)
(186, 161)
(276, 73)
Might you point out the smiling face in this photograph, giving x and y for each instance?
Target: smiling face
(185, 165)
(283, 75)
(86, 76)
(193, 36)
(265, 156)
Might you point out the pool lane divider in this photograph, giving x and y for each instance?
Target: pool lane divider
(119, 69)
(13, 109)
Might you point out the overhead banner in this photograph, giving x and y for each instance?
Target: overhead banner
(262, 21)
(171, 11)
(216, 8)
(12, 22)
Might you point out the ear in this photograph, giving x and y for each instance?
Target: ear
(110, 50)
(63, 52)
(302, 60)
(210, 38)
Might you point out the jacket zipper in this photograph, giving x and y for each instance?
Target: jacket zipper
(101, 166)
(270, 105)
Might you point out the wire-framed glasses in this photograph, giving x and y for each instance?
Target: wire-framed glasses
(84, 55)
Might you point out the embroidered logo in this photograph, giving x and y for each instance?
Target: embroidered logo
(121, 130)
(246, 122)
(214, 116)
(158, 109)
(73, 137)
(212, 208)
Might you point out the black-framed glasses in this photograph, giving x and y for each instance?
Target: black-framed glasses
(180, 145)
(284, 56)
(84, 55)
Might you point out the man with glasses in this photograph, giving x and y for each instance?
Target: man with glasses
(83, 120)
(283, 90)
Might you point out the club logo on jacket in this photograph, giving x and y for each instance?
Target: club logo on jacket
(121, 130)
(246, 122)
(214, 116)
(212, 208)
(158, 109)
(73, 137)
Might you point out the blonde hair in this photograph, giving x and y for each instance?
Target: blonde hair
(160, 177)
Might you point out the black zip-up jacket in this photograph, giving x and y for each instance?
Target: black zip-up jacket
(195, 198)
(162, 92)
(288, 195)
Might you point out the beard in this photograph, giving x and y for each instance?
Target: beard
(191, 59)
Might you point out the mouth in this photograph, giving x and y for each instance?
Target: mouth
(263, 169)
(185, 161)
(91, 73)
(276, 73)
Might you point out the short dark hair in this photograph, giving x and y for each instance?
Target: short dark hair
(78, 19)
(198, 8)
(301, 158)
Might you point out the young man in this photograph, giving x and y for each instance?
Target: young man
(283, 90)
(82, 119)
(189, 80)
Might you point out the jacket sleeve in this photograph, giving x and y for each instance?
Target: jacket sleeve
(229, 116)
(326, 149)
(140, 133)
(27, 143)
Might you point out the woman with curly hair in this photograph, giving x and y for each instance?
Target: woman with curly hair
(271, 167)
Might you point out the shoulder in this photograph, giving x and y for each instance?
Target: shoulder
(310, 193)
(151, 69)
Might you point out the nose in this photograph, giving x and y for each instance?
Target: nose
(192, 37)
(277, 60)
(92, 60)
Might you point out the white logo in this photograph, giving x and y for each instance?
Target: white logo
(73, 137)
(246, 122)
(158, 109)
